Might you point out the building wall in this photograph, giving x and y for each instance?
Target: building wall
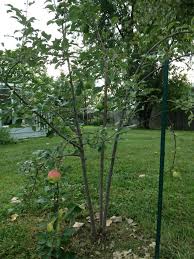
(27, 132)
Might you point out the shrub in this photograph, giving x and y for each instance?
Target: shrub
(5, 137)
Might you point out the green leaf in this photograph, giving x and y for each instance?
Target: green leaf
(50, 7)
(34, 128)
(115, 20)
(46, 36)
(69, 255)
(79, 88)
(73, 211)
(31, 3)
(67, 234)
(50, 22)
(74, 12)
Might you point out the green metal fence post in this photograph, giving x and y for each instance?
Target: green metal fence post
(162, 156)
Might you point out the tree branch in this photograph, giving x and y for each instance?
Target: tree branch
(41, 116)
(158, 43)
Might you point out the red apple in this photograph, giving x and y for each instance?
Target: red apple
(54, 176)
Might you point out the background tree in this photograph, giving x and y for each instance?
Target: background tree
(140, 32)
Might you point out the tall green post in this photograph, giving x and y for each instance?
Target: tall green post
(162, 156)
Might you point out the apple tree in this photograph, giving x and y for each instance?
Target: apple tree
(103, 49)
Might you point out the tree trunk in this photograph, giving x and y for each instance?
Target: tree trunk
(82, 153)
(102, 154)
(112, 163)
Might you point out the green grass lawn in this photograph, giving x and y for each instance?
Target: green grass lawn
(132, 196)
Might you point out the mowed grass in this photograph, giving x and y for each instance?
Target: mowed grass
(131, 196)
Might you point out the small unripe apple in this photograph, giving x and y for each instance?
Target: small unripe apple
(54, 176)
(50, 227)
